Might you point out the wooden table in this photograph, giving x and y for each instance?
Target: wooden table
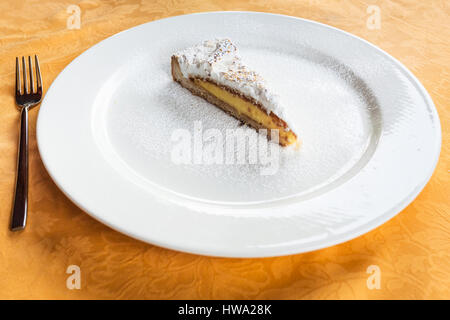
(412, 250)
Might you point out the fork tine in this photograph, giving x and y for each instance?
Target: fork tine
(30, 65)
(38, 75)
(25, 79)
(18, 80)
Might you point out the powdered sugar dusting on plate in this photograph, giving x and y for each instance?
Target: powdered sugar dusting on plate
(330, 113)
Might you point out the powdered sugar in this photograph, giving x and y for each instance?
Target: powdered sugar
(328, 105)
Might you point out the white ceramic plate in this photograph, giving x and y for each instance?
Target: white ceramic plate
(371, 138)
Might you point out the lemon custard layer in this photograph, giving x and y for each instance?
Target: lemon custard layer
(245, 107)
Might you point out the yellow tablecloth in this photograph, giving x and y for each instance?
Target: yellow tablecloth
(412, 250)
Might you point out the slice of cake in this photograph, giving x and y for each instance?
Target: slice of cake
(214, 71)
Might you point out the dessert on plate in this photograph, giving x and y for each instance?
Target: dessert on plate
(214, 71)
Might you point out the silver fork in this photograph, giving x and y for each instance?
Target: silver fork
(26, 99)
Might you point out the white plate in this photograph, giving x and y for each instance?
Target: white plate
(371, 138)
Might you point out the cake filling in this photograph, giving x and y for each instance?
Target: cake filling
(245, 107)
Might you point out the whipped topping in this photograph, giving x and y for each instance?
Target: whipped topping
(218, 60)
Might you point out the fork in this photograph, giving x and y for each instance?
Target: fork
(25, 99)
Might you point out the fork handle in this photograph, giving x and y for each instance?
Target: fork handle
(19, 213)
